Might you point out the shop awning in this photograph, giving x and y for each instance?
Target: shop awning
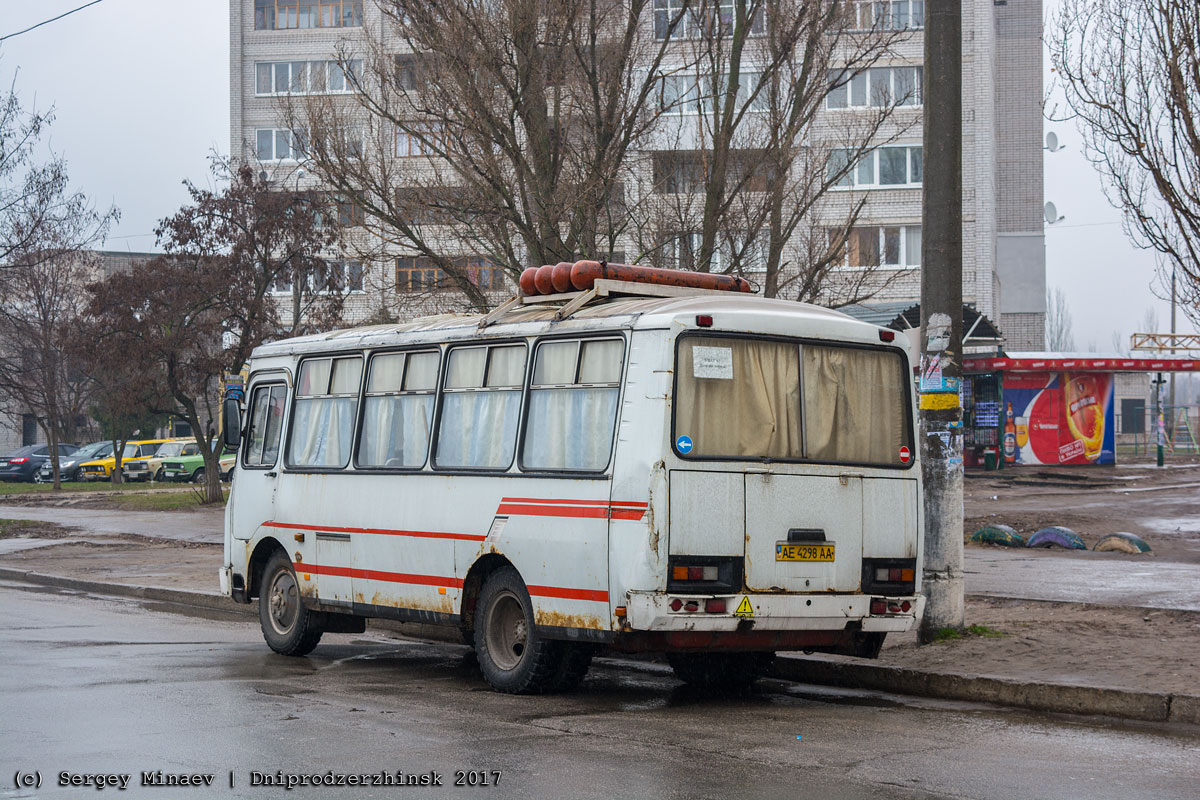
(1059, 362)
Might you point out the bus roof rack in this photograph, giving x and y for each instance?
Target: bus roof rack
(603, 288)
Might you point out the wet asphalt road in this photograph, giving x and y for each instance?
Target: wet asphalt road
(102, 686)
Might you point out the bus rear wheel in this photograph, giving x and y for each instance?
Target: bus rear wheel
(512, 656)
(289, 628)
(720, 670)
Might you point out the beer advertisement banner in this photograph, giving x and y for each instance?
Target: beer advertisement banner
(1057, 418)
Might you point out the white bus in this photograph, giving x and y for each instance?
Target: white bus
(712, 476)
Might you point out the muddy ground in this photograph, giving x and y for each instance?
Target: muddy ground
(1161, 506)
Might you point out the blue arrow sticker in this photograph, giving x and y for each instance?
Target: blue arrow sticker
(684, 444)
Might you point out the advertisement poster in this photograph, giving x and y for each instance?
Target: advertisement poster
(1057, 418)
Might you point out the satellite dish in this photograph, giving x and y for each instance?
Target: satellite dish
(1051, 141)
(1051, 212)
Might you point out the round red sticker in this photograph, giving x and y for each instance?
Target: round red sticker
(905, 455)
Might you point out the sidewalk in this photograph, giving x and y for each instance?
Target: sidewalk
(1122, 661)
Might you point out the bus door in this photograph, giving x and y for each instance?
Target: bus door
(804, 532)
(257, 469)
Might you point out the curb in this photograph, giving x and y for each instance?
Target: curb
(1049, 697)
(1062, 698)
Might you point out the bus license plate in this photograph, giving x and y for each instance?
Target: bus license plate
(803, 552)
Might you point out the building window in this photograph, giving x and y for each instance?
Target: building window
(691, 94)
(29, 430)
(681, 251)
(702, 16)
(326, 277)
(305, 77)
(892, 246)
(884, 167)
(895, 15)
(686, 171)
(278, 144)
(274, 15)
(408, 75)
(419, 139)
(879, 87)
(419, 274)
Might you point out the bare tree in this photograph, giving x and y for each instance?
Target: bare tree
(45, 227)
(752, 179)
(193, 316)
(1131, 73)
(1149, 320)
(501, 131)
(1059, 335)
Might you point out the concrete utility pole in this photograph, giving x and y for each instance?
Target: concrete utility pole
(941, 318)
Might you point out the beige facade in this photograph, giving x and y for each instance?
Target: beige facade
(1003, 239)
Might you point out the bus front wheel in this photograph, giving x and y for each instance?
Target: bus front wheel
(289, 628)
(511, 655)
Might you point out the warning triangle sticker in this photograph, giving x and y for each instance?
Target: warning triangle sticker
(744, 609)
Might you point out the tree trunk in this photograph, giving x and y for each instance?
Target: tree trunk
(212, 474)
(116, 473)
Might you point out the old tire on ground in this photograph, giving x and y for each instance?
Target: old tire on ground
(289, 628)
(720, 670)
(512, 656)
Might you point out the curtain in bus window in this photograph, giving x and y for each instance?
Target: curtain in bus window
(478, 429)
(395, 431)
(570, 428)
(853, 404)
(322, 432)
(739, 398)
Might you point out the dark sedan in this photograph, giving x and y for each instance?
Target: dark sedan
(23, 464)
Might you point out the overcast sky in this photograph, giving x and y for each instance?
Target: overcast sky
(141, 94)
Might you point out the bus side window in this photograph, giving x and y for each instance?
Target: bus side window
(573, 405)
(266, 422)
(481, 405)
(322, 429)
(398, 409)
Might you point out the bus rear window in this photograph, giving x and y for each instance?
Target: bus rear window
(742, 398)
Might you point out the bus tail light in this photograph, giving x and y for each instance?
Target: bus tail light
(890, 576)
(715, 605)
(704, 574)
(880, 606)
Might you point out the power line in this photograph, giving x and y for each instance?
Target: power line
(47, 22)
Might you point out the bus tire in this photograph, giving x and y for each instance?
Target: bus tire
(512, 656)
(289, 628)
(720, 670)
(573, 668)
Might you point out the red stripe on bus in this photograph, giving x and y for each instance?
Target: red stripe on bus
(594, 595)
(592, 512)
(552, 501)
(466, 537)
(377, 575)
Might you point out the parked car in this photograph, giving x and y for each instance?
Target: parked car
(101, 469)
(68, 468)
(191, 468)
(23, 464)
(147, 468)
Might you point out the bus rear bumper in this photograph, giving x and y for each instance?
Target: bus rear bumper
(653, 611)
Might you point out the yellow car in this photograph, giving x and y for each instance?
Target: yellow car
(149, 468)
(102, 469)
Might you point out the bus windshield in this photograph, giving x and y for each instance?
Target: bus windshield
(771, 399)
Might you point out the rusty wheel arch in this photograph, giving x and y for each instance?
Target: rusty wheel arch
(472, 584)
(258, 562)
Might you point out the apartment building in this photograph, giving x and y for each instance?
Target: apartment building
(284, 47)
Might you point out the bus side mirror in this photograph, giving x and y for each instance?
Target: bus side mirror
(231, 420)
